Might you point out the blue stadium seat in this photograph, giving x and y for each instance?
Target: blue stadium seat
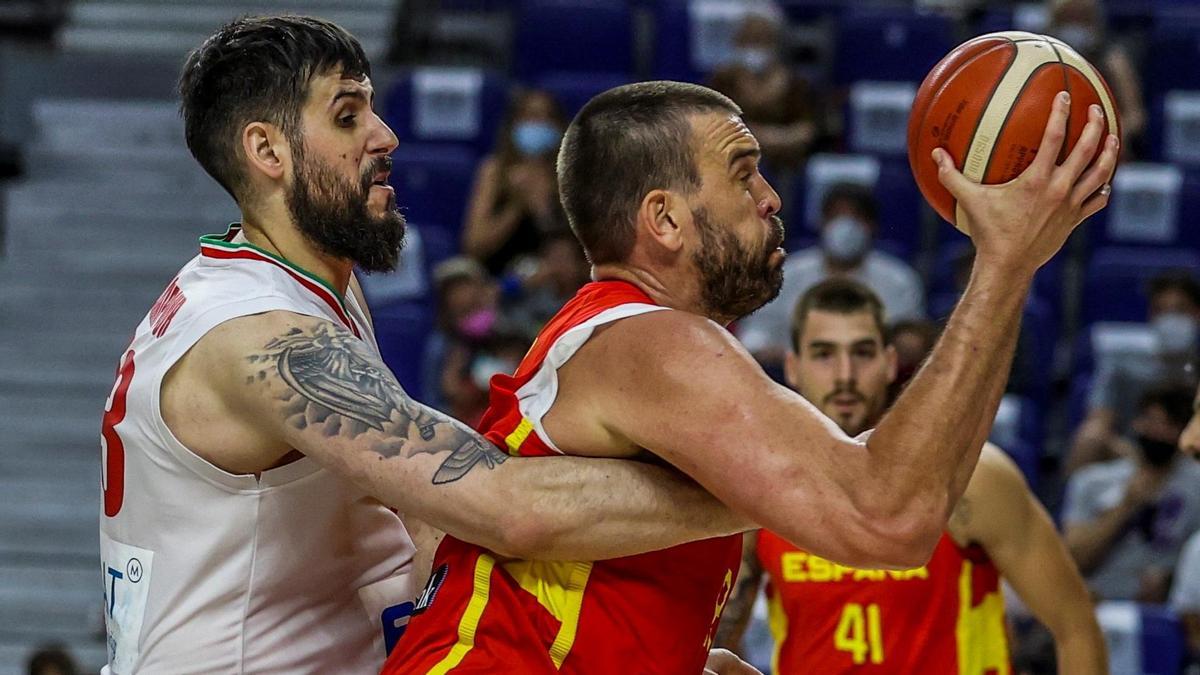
(401, 329)
(807, 11)
(1162, 641)
(673, 42)
(1115, 281)
(1150, 207)
(573, 90)
(433, 183)
(1174, 62)
(889, 44)
(694, 37)
(446, 105)
(439, 243)
(573, 36)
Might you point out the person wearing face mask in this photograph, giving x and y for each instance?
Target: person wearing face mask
(1174, 321)
(514, 201)
(848, 223)
(779, 105)
(1126, 521)
(1080, 23)
(466, 320)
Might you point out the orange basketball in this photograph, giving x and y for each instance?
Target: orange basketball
(987, 103)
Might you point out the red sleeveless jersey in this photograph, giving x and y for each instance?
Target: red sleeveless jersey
(650, 613)
(946, 617)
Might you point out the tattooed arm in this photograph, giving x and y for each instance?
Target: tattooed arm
(285, 382)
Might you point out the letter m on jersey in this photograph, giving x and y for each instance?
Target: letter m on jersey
(166, 307)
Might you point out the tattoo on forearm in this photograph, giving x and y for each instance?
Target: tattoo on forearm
(335, 383)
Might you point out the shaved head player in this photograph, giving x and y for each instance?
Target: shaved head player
(253, 424)
(661, 184)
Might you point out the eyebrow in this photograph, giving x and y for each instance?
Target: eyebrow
(352, 93)
(738, 155)
(857, 343)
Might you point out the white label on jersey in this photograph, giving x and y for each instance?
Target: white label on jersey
(126, 571)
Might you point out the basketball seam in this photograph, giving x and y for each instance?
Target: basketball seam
(1062, 151)
(983, 108)
(997, 125)
(1004, 122)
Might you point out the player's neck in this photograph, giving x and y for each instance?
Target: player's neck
(663, 288)
(291, 245)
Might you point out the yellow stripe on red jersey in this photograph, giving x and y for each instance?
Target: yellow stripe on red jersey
(945, 617)
(651, 613)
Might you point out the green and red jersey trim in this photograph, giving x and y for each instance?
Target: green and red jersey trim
(221, 247)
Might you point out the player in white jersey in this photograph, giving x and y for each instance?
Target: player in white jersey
(253, 424)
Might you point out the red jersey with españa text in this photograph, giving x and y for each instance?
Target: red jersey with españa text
(481, 613)
(946, 617)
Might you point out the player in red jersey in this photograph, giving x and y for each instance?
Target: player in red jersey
(661, 184)
(944, 617)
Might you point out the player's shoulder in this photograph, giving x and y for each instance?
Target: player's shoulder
(230, 347)
(996, 476)
(670, 334)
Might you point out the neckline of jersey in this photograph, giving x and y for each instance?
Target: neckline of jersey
(314, 283)
(223, 241)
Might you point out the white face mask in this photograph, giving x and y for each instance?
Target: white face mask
(754, 59)
(1081, 37)
(845, 239)
(1176, 332)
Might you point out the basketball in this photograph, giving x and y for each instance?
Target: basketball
(987, 103)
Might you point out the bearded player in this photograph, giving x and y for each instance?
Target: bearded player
(946, 616)
(661, 184)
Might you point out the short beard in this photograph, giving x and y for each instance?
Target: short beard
(733, 280)
(332, 213)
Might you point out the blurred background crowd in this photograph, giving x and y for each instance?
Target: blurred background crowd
(101, 203)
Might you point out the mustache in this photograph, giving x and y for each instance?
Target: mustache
(377, 166)
(843, 390)
(778, 233)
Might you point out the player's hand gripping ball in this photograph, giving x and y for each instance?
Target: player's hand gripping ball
(987, 103)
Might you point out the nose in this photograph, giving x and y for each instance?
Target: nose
(382, 139)
(845, 369)
(769, 203)
(1189, 441)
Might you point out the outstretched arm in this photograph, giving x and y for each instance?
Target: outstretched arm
(1000, 514)
(308, 384)
(877, 502)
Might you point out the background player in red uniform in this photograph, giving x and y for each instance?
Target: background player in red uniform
(661, 184)
(944, 617)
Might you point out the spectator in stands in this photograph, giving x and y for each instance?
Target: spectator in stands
(1126, 521)
(467, 318)
(1185, 595)
(52, 659)
(778, 105)
(541, 285)
(1080, 23)
(514, 201)
(849, 219)
(1174, 314)
(1185, 590)
(912, 339)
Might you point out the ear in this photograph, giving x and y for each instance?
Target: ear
(893, 362)
(791, 369)
(663, 215)
(266, 149)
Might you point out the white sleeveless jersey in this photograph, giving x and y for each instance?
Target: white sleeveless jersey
(292, 571)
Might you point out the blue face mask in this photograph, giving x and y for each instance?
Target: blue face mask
(535, 138)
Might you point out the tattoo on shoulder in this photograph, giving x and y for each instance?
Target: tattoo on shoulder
(338, 386)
